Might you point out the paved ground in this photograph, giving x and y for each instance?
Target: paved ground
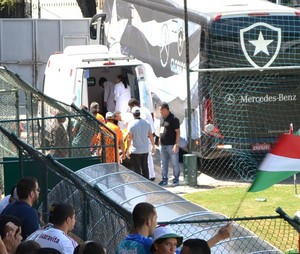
(205, 182)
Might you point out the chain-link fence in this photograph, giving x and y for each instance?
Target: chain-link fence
(103, 198)
(93, 212)
(237, 117)
(44, 121)
(50, 126)
(239, 114)
(271, 232)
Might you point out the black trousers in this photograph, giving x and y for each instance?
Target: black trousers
(140, 164)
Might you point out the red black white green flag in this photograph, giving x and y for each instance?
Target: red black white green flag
(282, 162)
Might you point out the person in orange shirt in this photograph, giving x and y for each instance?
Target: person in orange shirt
(108, 139)
(94, 110)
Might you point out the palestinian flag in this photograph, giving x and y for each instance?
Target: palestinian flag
(282, 162)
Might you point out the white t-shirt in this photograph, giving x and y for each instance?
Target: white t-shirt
(146, 115)
(54, 238)
(4, 203)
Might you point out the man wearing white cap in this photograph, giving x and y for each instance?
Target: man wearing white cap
(139, 130)
(146, 115)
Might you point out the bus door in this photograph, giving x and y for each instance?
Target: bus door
(145, 97)
(79, 88)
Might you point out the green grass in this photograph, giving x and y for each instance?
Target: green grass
(235, 202)
(226, 200)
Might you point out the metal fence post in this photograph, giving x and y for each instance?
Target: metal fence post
(190, 169)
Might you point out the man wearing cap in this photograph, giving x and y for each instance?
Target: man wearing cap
(146, 115)
(139, 130)
(110, 150)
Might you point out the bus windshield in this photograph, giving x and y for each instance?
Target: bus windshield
(251, 107)
(258, 41)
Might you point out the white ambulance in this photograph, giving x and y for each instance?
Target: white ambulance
(73, 76)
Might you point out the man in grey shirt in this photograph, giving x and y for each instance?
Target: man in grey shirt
(139, 130)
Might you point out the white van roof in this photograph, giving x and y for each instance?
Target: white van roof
(89, 56)
(85, 49)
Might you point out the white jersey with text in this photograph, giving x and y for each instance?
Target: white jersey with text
(54, 238)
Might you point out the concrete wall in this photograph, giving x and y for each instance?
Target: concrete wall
(26, 44)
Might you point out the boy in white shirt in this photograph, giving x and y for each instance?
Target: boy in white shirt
(56, 237)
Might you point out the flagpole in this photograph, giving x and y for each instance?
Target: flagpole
(295, 185)
(298, 242)
(295, 176)
(239, 205)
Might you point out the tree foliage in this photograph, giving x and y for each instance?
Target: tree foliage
(87, 7)
(7, 3)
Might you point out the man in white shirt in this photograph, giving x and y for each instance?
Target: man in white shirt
(56, 237)
(109, 95)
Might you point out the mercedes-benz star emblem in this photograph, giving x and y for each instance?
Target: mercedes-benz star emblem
(229, 99)
(164, 47)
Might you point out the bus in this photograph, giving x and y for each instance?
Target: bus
(244, 67)
(290, 3)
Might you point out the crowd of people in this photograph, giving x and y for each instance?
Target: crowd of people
(23, 232)
(133, 126)
(21, 229)
(114, 98)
